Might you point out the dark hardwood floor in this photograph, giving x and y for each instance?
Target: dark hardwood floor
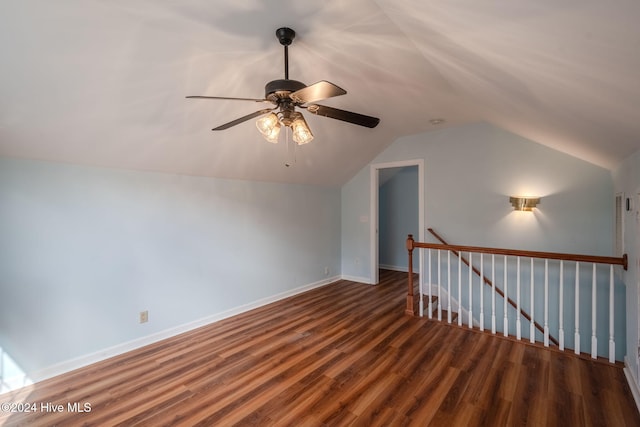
(344, 354)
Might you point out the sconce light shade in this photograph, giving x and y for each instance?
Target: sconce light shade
(301, 132)
(524, 203)
(269, 127)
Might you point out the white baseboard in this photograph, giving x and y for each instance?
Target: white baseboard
(633, 384)
(88, 359)
(365, 280)
(14, 383)
(394, 268)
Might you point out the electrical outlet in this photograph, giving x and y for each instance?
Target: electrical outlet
(144, 316)
(326, 271)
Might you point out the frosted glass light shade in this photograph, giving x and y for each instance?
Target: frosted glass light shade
(301, 132)
(269, 127)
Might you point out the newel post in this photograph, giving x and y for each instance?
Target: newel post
(409, 309)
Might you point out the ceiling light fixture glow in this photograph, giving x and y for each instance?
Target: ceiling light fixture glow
(301, 132)
(269, 127)
(524, 203)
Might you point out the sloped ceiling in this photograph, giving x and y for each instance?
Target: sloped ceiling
(103, 82)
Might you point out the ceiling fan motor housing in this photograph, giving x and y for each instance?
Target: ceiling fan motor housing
(280, 89)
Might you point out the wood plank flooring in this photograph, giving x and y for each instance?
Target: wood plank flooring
(344, 354)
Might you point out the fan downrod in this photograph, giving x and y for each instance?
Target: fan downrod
(278, 90)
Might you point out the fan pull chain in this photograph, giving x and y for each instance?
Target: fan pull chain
(291, 150)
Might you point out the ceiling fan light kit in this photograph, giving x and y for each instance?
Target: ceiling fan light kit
(301, 132)
(269, 127)
(288, 94)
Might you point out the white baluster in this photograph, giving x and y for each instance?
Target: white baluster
(561, 309)
(430, 303)
(594, 339)
(470, 290)
(576, 335)
(612, 344)
(460, 289)
(421, 285)
(448, 286)
(506, 297)
(493, 294)
(518, 322)
(481, 291)
(546, 303)
(532, 327)
(439, 288)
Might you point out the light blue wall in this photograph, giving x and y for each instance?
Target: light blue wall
(470, 172)
(398, 216)
(84, 250)
(627, 180)
(355, 228)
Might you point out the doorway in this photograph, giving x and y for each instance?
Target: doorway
(386, 170)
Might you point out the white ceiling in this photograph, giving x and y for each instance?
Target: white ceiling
(102, 82)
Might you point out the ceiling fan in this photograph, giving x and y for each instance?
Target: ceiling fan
(286, 95)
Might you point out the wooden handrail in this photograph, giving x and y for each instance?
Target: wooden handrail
(623, 261)
(610, 261)
(488, 282)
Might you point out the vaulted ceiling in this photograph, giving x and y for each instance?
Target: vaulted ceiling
(103, 82)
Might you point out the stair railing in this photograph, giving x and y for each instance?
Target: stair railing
(508, 255)
(490, 284)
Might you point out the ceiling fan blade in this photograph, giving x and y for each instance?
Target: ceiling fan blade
(317, 92)
(224, 97)
(243, 119)
(346, 116)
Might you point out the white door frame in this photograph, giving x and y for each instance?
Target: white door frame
(373, 210)
(636, 262)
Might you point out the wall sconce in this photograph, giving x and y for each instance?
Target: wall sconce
(524, 203)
